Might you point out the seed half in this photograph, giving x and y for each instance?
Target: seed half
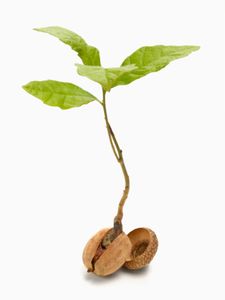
(91, 248)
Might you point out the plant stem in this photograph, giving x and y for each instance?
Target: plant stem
(119, 157)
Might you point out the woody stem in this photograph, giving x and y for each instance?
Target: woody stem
(119, 157)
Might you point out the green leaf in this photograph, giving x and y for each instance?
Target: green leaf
(88, 54)
(56, 93)
(153, 58)
(142, 62)
(107, 77)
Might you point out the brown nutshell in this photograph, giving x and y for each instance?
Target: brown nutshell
(144, 247)
(105, 261)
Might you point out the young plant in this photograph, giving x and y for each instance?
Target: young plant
(110, 248)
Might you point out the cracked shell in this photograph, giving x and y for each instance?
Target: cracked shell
(104, 262)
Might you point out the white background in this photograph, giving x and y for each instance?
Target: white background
(59, 180)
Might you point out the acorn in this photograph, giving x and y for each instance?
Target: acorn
(106, 252)
(144, 247)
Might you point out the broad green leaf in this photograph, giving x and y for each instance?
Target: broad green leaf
(152, 59)
(56, 93)
(88, 54)
(107, 77)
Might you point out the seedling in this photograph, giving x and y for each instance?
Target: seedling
(110, 248)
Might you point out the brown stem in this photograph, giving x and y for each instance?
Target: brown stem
(119, 157)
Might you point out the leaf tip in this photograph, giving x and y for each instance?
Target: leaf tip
(40, 29)
(25, 87)
(37, 29)
(195, 48)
